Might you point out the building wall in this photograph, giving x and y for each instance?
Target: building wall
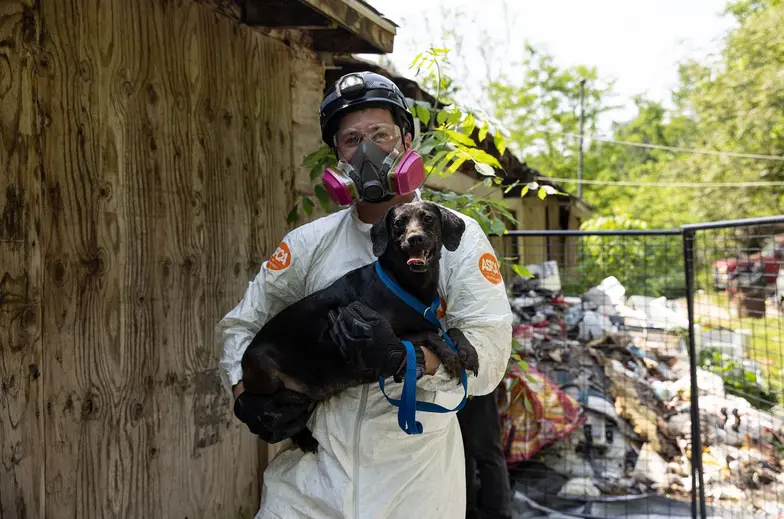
(148, 157)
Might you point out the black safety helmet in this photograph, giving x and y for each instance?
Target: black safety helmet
(362, 90)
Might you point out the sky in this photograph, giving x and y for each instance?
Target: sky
(637, 43)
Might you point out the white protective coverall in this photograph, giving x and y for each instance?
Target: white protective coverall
(366, 466)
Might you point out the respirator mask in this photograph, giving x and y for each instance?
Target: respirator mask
(373, 174)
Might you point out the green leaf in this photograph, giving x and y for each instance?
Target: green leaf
(322, 196)
(307, 205)
(499, 142)
(459, 138)
(456, 164)
(441, 117)
(483, 157)
(292, 217)
(522, 271)
(512, 186)
(524, 191)
(541, 193)
(315, 173)
(424, 115)
(484, 169)
(440, 167)
(497, 227)
(483, 131)
(468, 125)
(455, 117)
(523, 364)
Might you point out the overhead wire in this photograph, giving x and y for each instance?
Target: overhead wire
(672, 148)
(663, 184)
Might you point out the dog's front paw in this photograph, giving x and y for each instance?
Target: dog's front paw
(450, 360)
(451, 363)
(466, 353)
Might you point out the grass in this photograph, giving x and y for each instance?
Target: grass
(766, 335)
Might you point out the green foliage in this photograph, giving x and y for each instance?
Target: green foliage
(731, 101)
(644, 265)
(737, 380)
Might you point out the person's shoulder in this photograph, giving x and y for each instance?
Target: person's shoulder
(309, 234)
(299, 245)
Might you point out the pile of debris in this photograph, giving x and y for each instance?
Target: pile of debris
(598, 408)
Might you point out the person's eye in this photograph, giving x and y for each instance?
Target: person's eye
(382, 137)
(351, 140)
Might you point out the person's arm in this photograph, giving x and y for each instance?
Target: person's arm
(477, 304)
(279, 283)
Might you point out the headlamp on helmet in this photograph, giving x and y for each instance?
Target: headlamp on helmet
(373, 174)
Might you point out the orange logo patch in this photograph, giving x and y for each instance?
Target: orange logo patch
(281, 259)
(488, 266)
(441, 310)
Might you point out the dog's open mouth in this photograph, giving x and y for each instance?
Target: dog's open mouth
(417, 260)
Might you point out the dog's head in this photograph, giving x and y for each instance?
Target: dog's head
(414, 233)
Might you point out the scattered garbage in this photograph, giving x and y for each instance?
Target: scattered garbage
(599, 406)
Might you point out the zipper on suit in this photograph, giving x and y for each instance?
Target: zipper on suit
(357, 427)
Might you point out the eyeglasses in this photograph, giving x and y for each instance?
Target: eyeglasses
(383, 135)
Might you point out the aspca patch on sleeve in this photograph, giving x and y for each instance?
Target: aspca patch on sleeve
(281, 258)
(441, 310)
(488, 266)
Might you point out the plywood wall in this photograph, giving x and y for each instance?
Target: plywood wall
(146, 173)
(21, 269)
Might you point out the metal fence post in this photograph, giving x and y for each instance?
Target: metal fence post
(696, 434)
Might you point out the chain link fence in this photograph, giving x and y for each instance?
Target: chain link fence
(624, 342)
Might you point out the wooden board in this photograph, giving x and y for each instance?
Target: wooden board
(166, 152)
(21, 386)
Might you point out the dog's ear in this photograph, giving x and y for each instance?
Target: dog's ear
(452, 229)
(379, 234)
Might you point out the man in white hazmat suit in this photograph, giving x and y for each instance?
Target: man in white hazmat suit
(366, 467)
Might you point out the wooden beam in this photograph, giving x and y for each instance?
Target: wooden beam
(282, 14)
(358, 20)
(361, 29)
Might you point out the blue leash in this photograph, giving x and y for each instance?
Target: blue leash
(408, 405)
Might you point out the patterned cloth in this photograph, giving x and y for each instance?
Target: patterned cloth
(540, 413)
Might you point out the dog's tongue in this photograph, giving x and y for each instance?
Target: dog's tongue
(418, 259)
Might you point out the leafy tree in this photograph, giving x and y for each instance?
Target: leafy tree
(737, 102)
(542, 113)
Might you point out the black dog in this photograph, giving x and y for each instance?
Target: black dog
(294, 349)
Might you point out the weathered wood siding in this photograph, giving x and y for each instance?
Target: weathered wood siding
(21, 269)
(146, 164)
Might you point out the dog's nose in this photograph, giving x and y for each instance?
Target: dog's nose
(416, 239)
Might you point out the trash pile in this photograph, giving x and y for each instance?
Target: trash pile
(597, 409)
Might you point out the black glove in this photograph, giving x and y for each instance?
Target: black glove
(274, 417)
(367, 342)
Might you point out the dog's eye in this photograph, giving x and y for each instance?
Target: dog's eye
(399, 223)
(429, 218)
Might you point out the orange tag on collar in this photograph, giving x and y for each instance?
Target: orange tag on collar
(281, 259)
(489, 268)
